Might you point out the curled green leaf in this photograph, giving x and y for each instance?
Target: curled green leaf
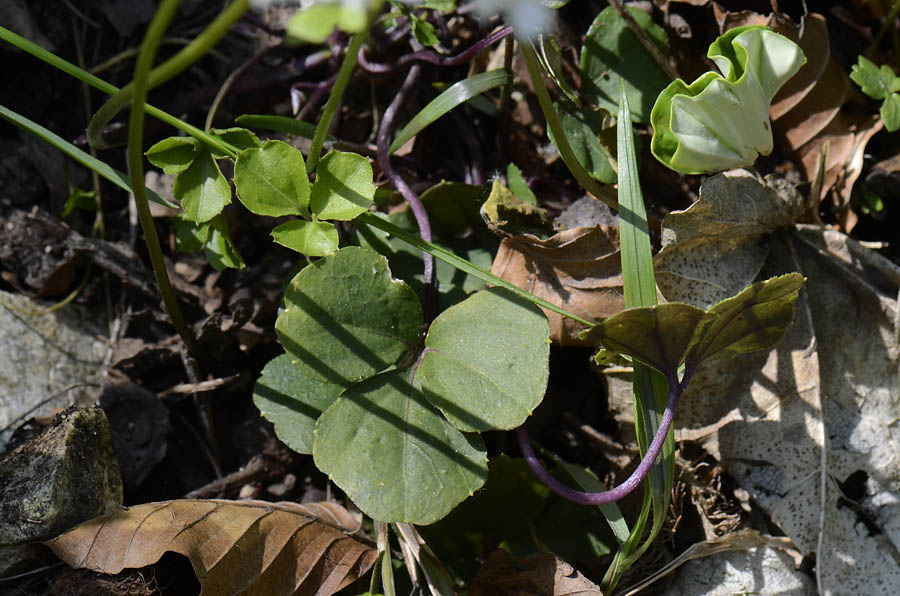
(721, 122)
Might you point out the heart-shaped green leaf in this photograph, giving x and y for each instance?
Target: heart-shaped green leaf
(343, 187)
(486, 361)
(292, 401)
(346, 319)
(202, 188)
(755, 319)
(659, 336)
(271, 180)
(174, 154)
(311, 238)
(394, 454)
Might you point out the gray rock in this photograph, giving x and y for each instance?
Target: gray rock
(45, 360)
(55, 478)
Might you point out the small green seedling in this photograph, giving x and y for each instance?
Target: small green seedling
(879, 83)
(721, 122)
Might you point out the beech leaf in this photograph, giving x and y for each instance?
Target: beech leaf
(253, 548)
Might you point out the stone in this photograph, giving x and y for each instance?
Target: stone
(48, 362)
(54, 478)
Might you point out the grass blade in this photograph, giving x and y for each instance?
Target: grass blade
(120, 179)
(454, 95)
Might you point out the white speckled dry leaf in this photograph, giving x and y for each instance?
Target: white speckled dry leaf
(715, 248)
(808, 429)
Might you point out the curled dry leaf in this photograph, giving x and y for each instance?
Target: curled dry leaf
(236, 547)
(577, 269)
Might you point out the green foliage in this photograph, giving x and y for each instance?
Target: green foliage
(478, 366)
(880, 83)
(314, 24)
(346, 318)
(667, 335)
(584, 128)
(720, 122)
(275, 396)
(518, 185)
(612, 54)
(506, 212)
(343, 187)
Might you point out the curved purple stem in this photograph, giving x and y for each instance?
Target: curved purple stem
(411, 198)
(632, 482)
(431, 57)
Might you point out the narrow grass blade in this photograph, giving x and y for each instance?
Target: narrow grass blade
(120, 179)
(455, 95)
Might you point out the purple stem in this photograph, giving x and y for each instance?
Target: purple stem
(411, 198)
(430, 56)
(637, 477)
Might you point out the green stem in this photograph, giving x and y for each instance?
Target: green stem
(462, 264)
(603, 193)
(168, 69)
(140, 85)
(888, 22)
(98, 83)
(334, 99)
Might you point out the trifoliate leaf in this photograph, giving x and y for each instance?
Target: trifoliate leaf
(875, 82)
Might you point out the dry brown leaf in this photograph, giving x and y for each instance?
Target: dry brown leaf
(578, 270)
(808, 429)
(236, 547)
(546, 575)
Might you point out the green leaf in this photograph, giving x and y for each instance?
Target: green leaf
(611, 53)
(202, 188)
(454, 207)
(721, 122)
(292, 401)
(582, 129)
(659, 336)
(239, 138)
(343, 187)
(875, 82)
(314, 24)
(551, 60)
(486, 361)
(518, 186)
(311, 238)
(394, 455)
(174, 154)
(455, 95)
(189, 235)
(423, 31)
(755, 319)
(509, 214)
(271, 180)
(441, 5)
(219, 249)
(890, 112)
(346, 319)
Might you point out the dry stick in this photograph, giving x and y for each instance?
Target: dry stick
(645, 40)
(676, 390)
(411, 198)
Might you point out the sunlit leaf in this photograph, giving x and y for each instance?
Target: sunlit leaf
(343, 187)
(271, 180)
